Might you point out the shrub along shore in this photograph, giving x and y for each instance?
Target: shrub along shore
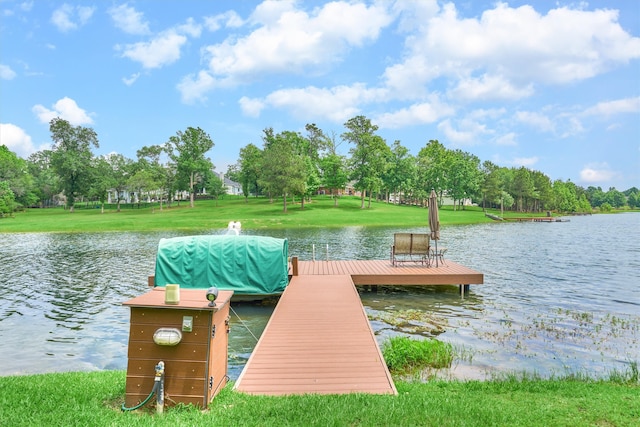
(95, 398)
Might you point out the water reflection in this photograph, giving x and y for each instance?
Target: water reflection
(557, 297)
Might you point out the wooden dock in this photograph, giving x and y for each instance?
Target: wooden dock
(319, 339)
(381, 272)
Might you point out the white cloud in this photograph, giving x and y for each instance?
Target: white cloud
(468, 131)
(508, 139)
(162, 50)
(189, 28)
(129, 20)
(68, 17)
(6, 73)
(194, 88)
(597, 173)
(65, 108)
(336, 104)
(619, 106)
(288, 40)
(17, 140)
(251, 107)
(513, 49)
(490, 87)
(525, 161)
(420, 113)
(228, 19)
(131, 79)
(536, 120)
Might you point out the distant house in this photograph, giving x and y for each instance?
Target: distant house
(232, 187)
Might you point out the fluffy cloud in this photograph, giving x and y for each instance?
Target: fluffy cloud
(228, 19)
(162, 50)
(468, 131)
(336, 104)
(129, 20)
(17, 140)
(67, 17)
(416, 114)
(620, 106)
(65, 108)
(6, 73)
(536, 120)
(597, 173)
(287, 39)
(516, 47)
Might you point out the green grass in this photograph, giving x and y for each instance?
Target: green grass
(94, 399)
(406, 356)
(257, 213)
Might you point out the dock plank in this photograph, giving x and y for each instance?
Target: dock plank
(318, 340)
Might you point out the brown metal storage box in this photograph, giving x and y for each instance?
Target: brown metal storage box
(195, 368)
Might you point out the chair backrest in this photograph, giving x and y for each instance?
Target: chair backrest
(402, 243)
(420, 243)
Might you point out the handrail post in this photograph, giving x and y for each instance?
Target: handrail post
(294, 265)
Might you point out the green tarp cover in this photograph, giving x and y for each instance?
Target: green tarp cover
(247, 265)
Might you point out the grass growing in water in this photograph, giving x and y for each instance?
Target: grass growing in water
(406, 356)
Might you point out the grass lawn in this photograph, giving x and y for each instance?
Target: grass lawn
(94, 399)
(255, 213)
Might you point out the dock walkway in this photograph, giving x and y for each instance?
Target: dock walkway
(318, 340)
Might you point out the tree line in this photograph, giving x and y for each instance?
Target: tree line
(289, 165)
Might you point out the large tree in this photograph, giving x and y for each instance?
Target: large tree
(432, 168)
(369, 155)
(283, 169)
(15, 172)
(187, 150)
(47, 183)
(250, 165)
(71, 157)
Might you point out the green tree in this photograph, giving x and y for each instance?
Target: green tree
(46, 182)
(543, 193)
(143, 181)
(492, 186)
(523, 188)
(187, 150)
(369, 155)
(463, 177)
(15, 172)
(334, 174)
(150, 158)
(215, 187)
(400, 177)
(283, 169)
(7, 199)
(633, 200)
(250, 165)
(615, 198)
(433, 160)
(564, 195)
(71, 157)
(102, 181)
(120, 169)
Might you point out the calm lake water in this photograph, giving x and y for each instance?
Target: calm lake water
(558, 298)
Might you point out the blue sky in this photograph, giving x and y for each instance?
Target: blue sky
(550, 85)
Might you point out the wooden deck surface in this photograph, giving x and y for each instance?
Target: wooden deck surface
(381, 272)
(318, 340)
